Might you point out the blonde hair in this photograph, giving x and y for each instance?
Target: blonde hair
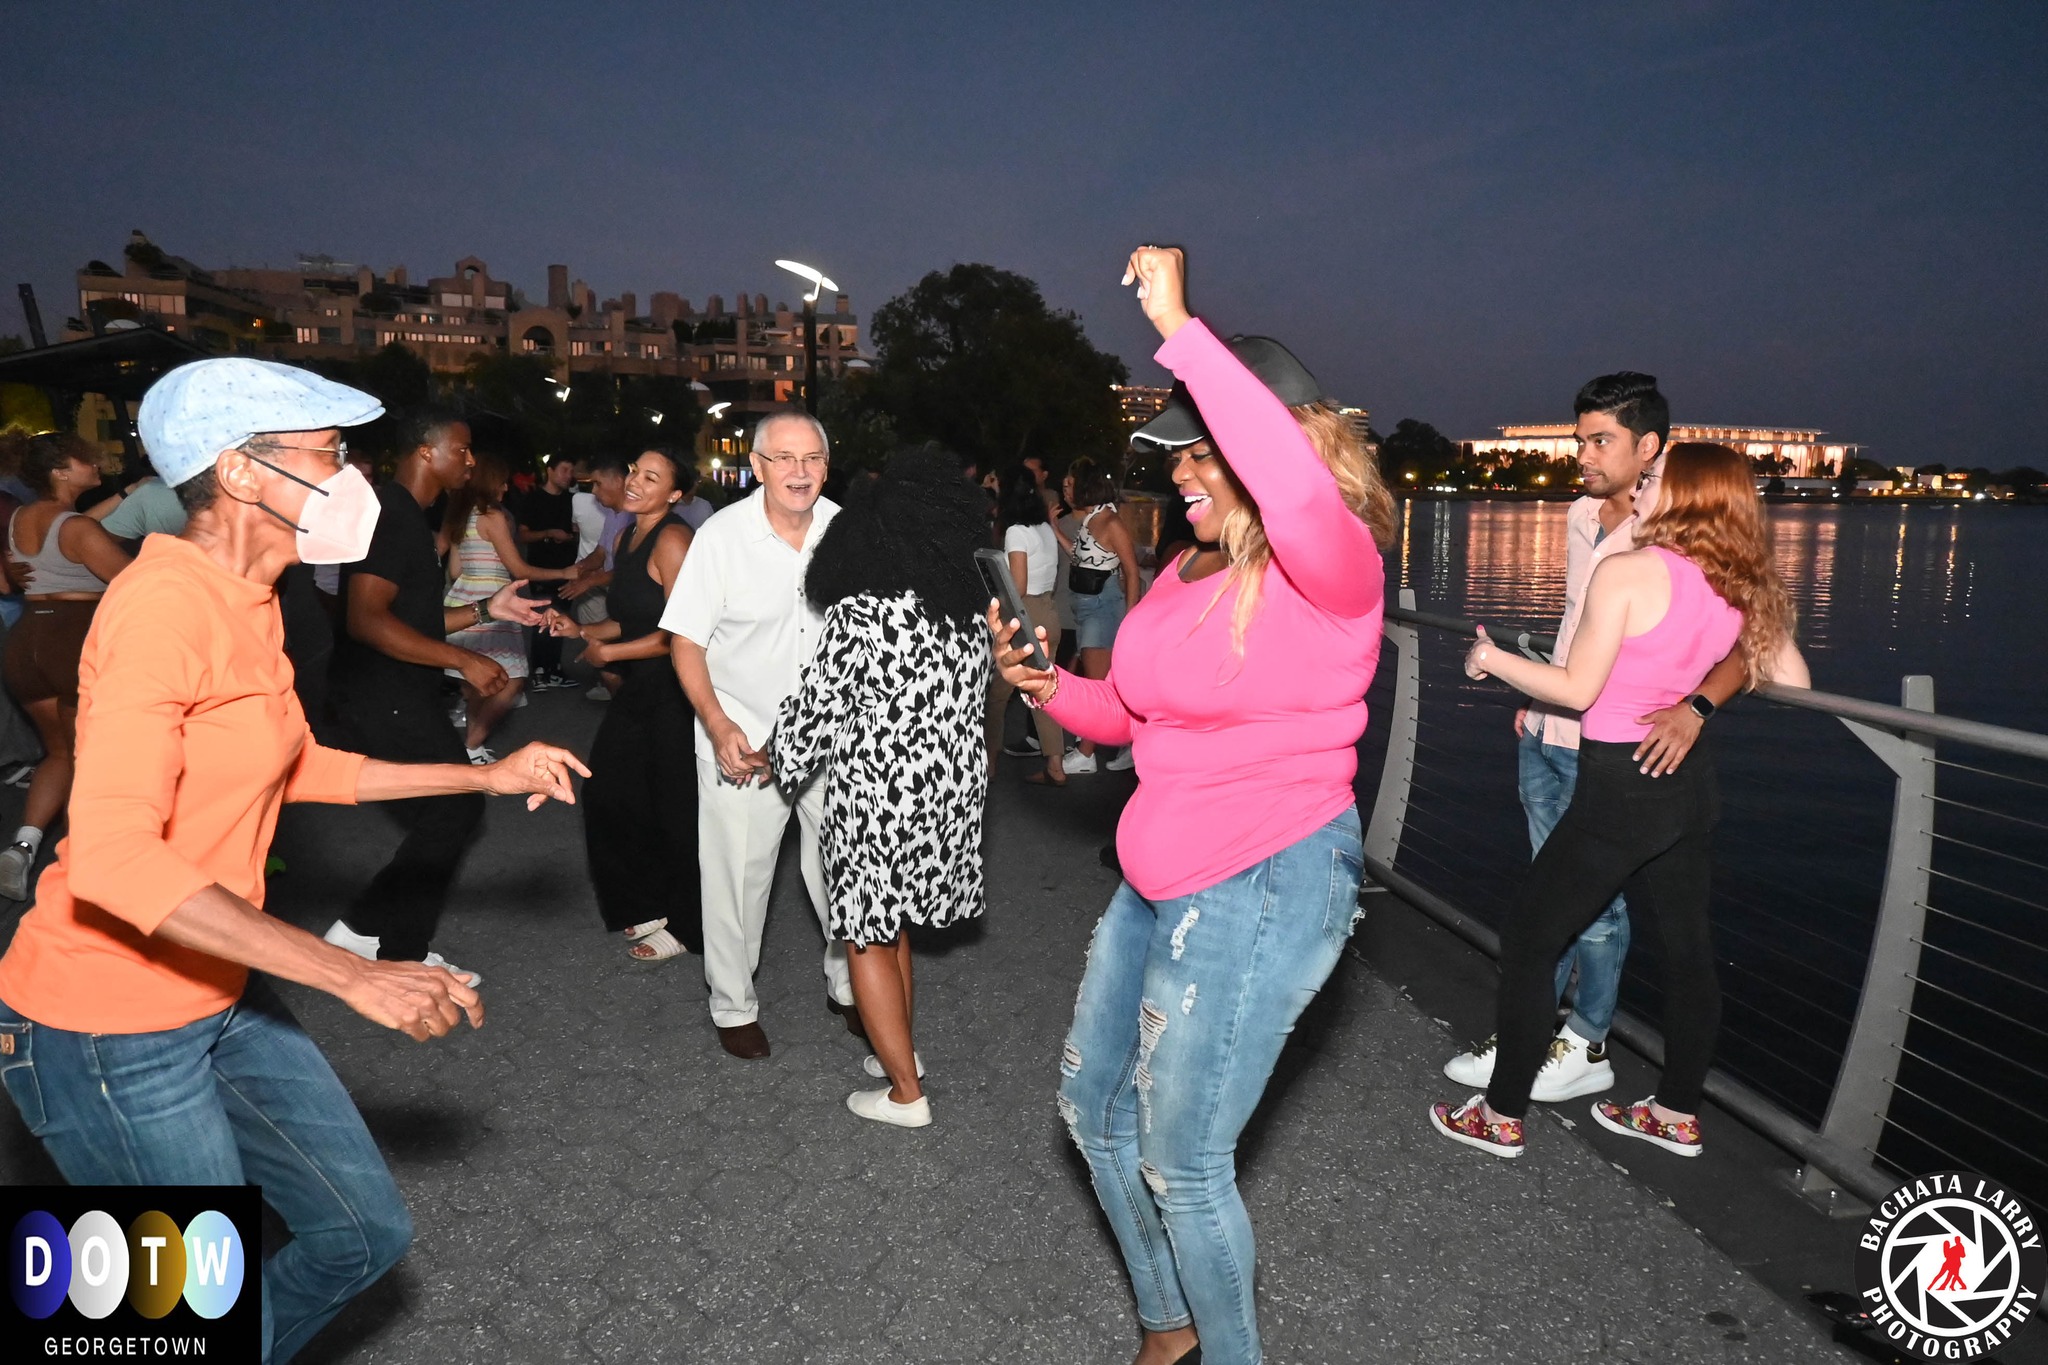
(1341, 444)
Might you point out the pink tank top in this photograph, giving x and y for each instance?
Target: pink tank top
(1668, 660)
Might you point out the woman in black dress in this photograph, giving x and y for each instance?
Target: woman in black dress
(640, 804)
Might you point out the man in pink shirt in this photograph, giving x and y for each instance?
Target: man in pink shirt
(1623, 422)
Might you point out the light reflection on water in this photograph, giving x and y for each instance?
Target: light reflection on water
(1954, 590)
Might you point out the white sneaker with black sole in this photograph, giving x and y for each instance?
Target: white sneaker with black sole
(1574, 1067)
(1074, 761)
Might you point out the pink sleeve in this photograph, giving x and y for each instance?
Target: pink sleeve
(1091, 708)
(1318, 541)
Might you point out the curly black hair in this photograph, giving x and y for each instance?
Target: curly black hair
(915, 529)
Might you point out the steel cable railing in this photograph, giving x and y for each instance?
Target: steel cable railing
(1879, 1002)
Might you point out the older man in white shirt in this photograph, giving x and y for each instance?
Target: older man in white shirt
(741, 632)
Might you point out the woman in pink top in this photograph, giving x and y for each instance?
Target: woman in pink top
(1239, 681)
(1655, 621)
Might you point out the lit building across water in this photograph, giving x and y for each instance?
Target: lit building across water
(1807, 453)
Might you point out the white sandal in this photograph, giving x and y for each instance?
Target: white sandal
(654, 935)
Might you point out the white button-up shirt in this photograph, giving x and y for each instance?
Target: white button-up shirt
(1584, 549)
(741, 598)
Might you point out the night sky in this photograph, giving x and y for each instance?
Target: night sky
(1830, 215)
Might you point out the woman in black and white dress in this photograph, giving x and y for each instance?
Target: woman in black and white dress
(893, 700)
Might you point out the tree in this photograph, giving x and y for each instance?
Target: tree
(975, 359)
(1418, 449)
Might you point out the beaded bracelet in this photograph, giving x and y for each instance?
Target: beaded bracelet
(1038, 704)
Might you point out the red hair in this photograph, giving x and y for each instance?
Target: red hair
(1708, 510)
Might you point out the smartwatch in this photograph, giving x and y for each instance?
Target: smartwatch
(1701, 707)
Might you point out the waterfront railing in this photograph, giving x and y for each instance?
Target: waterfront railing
(1882, 942)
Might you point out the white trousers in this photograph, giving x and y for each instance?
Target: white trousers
(739, 833)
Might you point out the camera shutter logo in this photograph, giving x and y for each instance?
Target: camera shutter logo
(1951, 1265)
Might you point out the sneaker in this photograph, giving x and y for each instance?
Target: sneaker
(1074, 761)
(1474, 1067)
(470, 978)
(1024, 748)
(1123, 762)
(1636, 1121)
(482, 757)
(550, 681)
(18, 775)
(15, 862)
(876, 1105)
(1572, 1070)
(1467, 1123)
(599, 693)
(873, 1066)
(362, 945)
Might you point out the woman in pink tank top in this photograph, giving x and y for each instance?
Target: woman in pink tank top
(1656, 620)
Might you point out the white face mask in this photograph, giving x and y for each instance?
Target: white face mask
(338, 519)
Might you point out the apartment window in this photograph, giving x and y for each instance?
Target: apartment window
(330, 312)
(308, 336)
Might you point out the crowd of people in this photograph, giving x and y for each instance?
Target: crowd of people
(286, 631)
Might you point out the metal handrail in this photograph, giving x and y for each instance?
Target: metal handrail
(1841, 1153)
(1897, 719)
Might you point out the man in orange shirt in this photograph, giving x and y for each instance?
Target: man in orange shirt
(133, 1039)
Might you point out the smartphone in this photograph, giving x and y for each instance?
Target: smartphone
(995, 576)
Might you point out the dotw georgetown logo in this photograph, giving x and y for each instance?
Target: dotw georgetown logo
(1951, 1267)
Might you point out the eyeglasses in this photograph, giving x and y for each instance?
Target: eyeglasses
(339, 449)
(788, 462)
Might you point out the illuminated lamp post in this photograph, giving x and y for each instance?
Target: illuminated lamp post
(818, 282)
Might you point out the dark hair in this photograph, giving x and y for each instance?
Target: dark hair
(672, 460)
(915, 529)
(37, 458)
(1632, 399)
(416, 427)
(607, 463)
(1092, 485)
(199, 492)
(1019, 503)
(685, 466)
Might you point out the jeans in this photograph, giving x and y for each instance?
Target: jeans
(1183, 1010)
(1548, 774)
(1097, 617)
(239, 1096)
(1653, 835)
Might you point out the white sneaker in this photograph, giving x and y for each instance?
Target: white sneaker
(362, 945)
(599, 693)
(1123, 762)
(1474, 1067)
(1074, 761)
(481, 757)
(873, 1066)
(470, 978)
(1571, 1070)
(15, 862)
(876, 1105)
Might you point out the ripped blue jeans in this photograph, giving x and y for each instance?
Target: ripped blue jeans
(1184, 1008)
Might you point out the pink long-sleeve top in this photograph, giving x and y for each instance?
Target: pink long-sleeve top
(1239, 756)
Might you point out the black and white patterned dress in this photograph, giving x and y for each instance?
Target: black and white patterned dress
(893, 700)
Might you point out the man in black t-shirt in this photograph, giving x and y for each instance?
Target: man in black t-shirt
(547, 537)
(386, 688)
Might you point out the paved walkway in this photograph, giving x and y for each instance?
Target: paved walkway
(593, 1179)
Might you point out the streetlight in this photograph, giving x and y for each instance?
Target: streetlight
(818, 282)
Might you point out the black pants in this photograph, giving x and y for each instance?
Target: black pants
(1650, 838)
(640, 807)
(402, 905)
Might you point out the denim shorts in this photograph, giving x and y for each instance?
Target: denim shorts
(1096, 618)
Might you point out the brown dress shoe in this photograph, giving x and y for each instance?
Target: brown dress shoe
(744, 1041)
(851, 1014)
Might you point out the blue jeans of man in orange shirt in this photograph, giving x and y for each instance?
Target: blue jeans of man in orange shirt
(1548, 775)
(1183, 1011)
(237, 1097)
